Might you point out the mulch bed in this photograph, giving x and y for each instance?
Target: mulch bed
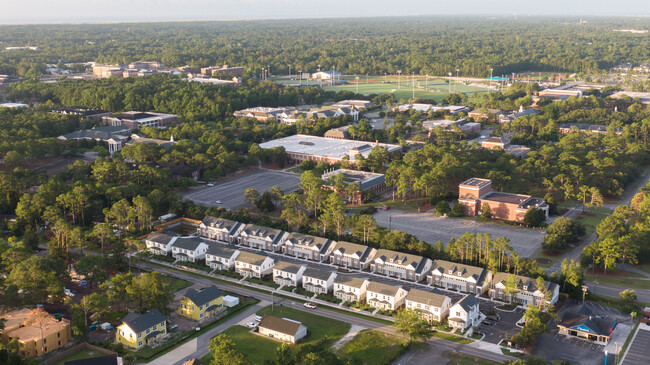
(588, 214)
(552, 253)
(543, 261)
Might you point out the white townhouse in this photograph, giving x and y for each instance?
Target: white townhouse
(527, 291)
(400, 265)
(221, 257)
(351, 255)
(288, 273)
(262, 238)
(189, 249)
(464, 314)
(350, 288)
(318, 280)
(249, 264)
(384, 296)
(159, 243)
(308, 247)
(431, 306)
(459, 277)
(220, 229)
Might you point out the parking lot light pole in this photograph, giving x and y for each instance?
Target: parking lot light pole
(605, 357)
(584, 291)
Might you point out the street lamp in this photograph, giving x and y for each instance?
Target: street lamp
(605, 357)
(399, 74)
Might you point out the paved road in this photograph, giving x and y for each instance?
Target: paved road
(643, 295)
(181, 352)
(231, 192)
(430, 229)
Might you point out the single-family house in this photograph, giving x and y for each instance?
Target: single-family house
(318, 280)
(308, 247)
(464, 314)
(220, 229)
(463, 278)
(282, 329)
(159, 243)
(384, 296)
(432, 306)
(189, 249)
(351, 255)
(262, 238)
(138, 330)
(221, 257)
(526, 291)
(201, 304)
(400, 265)
(287, 273)
(350, 288)
(249, 264)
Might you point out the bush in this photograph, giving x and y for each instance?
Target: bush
(442, 207)
(457, 211)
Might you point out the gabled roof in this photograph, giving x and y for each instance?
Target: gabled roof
(398, 258)
(426, 297)
(282, 325)
(203, 296)
(141, 322)
(583, 320)
(101, 133)
(261, 231)
(466, 271)
(348, 248)
(187, 243)
(161, 238)
(468, 302)
(349, 280)
(382, 288)
(221, 250)
(251, 258)
(220, 223)
(522, 281)
(289, 267)
(306, 240)
(314, 272)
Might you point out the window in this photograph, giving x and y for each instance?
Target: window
(148, 330)
(140, 343)
(139, 335)
(155, 326)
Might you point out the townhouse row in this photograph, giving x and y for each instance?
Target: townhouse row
(224, 254)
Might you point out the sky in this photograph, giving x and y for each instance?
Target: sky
(91, 11)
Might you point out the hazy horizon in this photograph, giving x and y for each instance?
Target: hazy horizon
(94, 11)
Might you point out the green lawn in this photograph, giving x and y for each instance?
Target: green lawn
(590, 222)
(256, 348)
(457, 358)
(450, 337)
(178, 284)
(83, 354)
(372, 347)
(623, 282)
(410, 205)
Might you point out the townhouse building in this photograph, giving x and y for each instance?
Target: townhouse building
(384, 296)
(352, 255)
(249, 264)
(350, 288)
(262, 238)
(308, 247)
(189, 249)
(462, 278)
(221, 257)
(464, 314)
(318, 280)
(159, 243)
(219, 229)
(527, 293)
(287, 273)
(400, 265)
(433, 307)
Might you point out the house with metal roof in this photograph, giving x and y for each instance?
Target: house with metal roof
(308, 247)
(138, 330)
(114, 137)
(352, 255)
(201, 304)
(287, 273)
(317, 280)
(464, 314)
(249, 264)
(581, 322)
(221, 257)
(527, 293)
(400, 265)
(432, 306)
(282, 329)
(262, 238)
(159, 243)
(350, 288)
(189, 249)
(454, 276)
(384, 296)
(220, 229)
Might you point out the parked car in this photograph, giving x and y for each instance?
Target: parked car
(251, 324)
(258, 318)
(310, 305)
(218, 202)
(210, 184)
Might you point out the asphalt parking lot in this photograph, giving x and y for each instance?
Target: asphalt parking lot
(431, 229)
(231, 192)
(637, 352)
(495, 331)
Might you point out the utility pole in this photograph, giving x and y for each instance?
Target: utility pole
(490, 89)
(300, 78)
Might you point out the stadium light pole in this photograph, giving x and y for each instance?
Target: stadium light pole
(449, 81)
(399, 78)
(357, 78)
(457, 70)
(489, 89)
(413, 83)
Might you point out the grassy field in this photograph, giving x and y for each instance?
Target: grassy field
(457, 358)
(256, 348)
(450, 337)
(83, 354)
(623, 282)
(371, 347)
(178, 284)
(643, 267)
(435, 89)
(591, 220)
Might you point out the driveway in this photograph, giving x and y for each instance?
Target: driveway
(431, 229)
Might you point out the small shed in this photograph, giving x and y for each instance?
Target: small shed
(230, 301)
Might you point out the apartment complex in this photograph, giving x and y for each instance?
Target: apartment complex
(219, 229)
(400, 265)
(384, 296)
(352, 255)
(287, 273)
(34, 339)
(432, 306)
(307, 247)
(527, 293)
(459, 277)
(263, 238)
(350, 288)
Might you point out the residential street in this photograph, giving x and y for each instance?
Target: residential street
(199, 348)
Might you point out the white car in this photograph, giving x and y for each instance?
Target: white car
(251, 324)
(258, 318)
(210, 184)
(310, 305)
(218, 202)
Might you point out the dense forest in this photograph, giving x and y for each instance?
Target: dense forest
(423, 45)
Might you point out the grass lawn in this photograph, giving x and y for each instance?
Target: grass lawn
(450, 337)
(623, 282)
(542, 255)
(178, 284)
(83, 354)
(371, 347)
(256, 348)
(457, 358)
(410, 205)
(591, 219)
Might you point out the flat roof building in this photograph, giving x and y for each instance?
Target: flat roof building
(302, 147)
(136, 120)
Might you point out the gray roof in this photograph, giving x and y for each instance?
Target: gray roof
(188, 243)
(308, 241)
(383, 288)
(530, 283)
(289, 267)
(468, 302)
(251, 258)
(140, 322)
(582, 316)
(467, 271)
(203, 296)
(101, 133)
(349, 248)
(401, 259)
(221, 223)
(497, 140)
(426, 297)
(261, 231)
(349, 280)
(314, 272)
(221, 250)
(162, 238)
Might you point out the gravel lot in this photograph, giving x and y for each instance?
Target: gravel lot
(430, 229)
(231, 192)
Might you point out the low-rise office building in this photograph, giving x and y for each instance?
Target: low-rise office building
(317, 280)
(384, 296)
(581, 322)
(400, 265)
(288, 273)
(431, 306)
(137, 120)
(350, 288)
(113, 137)
(366, 181)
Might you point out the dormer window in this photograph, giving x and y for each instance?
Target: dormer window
(451, 272)
(460, 273)
(525, 287)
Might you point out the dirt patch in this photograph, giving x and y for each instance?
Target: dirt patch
(552, 253)
(543, 261)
